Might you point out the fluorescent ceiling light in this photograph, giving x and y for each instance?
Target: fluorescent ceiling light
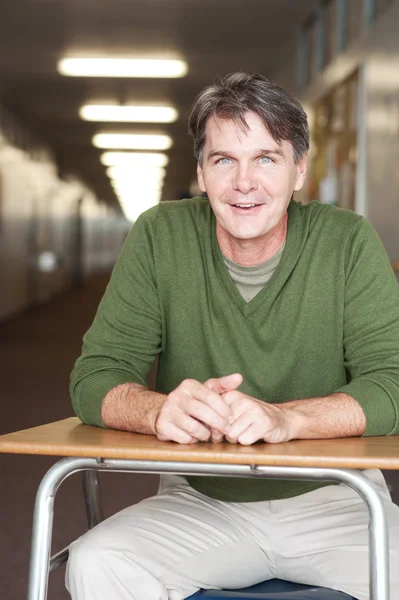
(132, 141)
(140, 201)
(135, 182)
(142, 159)
(121, 67)
(133, 189)
(131, 172)
(137, 189)
(133, 208)
(140, 204)
(132, 213)
(128, 114)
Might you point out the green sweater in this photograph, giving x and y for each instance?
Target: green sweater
(327, 321)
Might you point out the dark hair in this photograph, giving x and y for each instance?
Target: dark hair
(239, 93)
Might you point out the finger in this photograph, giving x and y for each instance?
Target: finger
(230, 397)
(209, 398)
(174, 434)
(251, 435)
(216, 436)
(233, 432)
(192, 427)
(224, 384)
(200, 411)
(238, 403)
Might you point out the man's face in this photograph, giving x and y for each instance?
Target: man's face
(249, 178)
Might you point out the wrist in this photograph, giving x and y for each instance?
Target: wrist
(334, 416)
(132, 407)
(292, 420)
(154, 411)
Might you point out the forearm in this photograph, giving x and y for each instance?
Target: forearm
(132, 407)
(334, 416)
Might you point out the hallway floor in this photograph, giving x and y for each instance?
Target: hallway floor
(37, 352)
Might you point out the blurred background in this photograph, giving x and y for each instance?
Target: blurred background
(94, 100)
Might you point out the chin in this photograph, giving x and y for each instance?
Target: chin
(248, 235)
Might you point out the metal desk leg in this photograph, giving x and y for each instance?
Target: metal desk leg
(92, 496)
(43, 522)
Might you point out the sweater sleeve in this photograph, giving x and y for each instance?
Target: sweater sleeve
(371, 331)
(125, 337)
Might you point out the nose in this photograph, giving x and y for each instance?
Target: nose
(244, 181)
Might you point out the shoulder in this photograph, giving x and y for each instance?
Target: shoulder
(342, 223)
(336, 227)
(342, 231)
(178, 213)
(195, 209)
(324, 216)
(173, 229)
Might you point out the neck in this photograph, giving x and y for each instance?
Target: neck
(250, 253)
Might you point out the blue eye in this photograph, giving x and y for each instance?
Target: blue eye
(224, 161)
(265, 159)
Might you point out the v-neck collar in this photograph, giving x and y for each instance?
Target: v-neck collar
(296, 237)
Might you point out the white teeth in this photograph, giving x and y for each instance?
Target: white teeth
(245, 205)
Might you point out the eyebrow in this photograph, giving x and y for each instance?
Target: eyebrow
(225, 153)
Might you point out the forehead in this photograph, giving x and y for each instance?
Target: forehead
(227, 134)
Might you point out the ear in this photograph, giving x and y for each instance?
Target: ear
(200, 177)
(301, 173)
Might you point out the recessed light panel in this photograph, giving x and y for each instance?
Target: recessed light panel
(132, 141)
(121, 67)
(128, 114)
(127, 172)
(145, 159)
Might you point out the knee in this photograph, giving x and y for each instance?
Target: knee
(85, 561)
(101, 567)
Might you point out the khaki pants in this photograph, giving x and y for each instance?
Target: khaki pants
(168, 546)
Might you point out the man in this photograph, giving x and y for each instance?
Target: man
(272, 321)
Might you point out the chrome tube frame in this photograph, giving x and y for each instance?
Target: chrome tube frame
(92, 496)
(94, 512)
(44, 506)
(59, 559)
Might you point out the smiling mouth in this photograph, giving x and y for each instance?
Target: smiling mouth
(245, 206)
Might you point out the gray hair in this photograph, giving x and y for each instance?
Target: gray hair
(239, 93)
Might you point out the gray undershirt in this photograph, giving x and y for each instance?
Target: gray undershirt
(251, 280)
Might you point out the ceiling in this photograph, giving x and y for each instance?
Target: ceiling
(214, 37)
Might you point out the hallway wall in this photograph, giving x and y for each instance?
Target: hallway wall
(53, 232)
(375, 52)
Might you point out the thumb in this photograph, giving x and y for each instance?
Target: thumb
(228, 383)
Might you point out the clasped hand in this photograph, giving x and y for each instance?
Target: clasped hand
(215, 410)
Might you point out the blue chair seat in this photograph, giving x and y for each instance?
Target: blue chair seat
(274, 589)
